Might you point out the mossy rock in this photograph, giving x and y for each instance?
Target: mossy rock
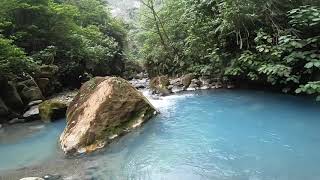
(52, 110)
(105, 108)
(47, 71)
(29, 91)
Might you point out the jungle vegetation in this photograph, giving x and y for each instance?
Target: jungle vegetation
(78, 36)
(272, 42)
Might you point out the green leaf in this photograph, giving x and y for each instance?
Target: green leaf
(309, 65)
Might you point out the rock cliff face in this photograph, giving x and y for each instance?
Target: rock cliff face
(105, 107)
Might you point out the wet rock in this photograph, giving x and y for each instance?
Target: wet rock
(177, 85)
(217, 86)
(170, 87)
(16, 120)
(32, 178)
(29, 91)
(52, 177)
(230, 86)
(31, 94)
(205, 83)
(140, 83)
(43, 84)
(160, 85)
(32, 113)
(48, 71)
(177, 89)
(195, 84)
(33, 103)
(176, 82)
(186, 80)
(105, 107)
(51, 110)
(141, 75)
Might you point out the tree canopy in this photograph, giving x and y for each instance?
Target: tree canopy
(269, 42)
(79, 36)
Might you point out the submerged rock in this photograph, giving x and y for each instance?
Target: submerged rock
(52, 110)
(16, 120)
(105, 107)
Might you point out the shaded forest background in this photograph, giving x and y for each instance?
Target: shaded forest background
(271, 43)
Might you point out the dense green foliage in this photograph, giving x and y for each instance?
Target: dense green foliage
(79, 36)
(270, 42)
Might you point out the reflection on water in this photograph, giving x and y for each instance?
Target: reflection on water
(216, 135)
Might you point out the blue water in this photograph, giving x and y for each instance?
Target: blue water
(26, 145)
(214, 135)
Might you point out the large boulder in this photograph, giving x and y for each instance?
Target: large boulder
(186, 80)
(47, 80)
(160, 85)
(29, 91)
(51, 110)
(104, 108)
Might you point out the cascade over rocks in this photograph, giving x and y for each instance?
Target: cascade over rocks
(104, 108)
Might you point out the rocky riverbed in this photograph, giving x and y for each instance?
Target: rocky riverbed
(154, 89)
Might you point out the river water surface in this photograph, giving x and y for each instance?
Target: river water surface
(216, 135)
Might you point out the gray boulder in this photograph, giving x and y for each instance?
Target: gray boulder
(32, 113)
(29, 91)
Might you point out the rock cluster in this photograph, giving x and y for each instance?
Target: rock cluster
(19, 100)
(104, 108)
(163, 85)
